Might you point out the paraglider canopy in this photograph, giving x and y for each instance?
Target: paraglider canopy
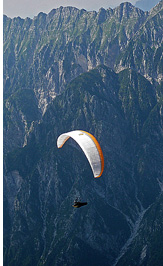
(90, 147)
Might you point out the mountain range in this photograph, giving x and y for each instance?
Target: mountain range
(100, 72)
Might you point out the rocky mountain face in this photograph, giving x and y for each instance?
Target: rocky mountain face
(44, 54)
(144, 45)
(41, 182)
(146, 249)
(73, 69)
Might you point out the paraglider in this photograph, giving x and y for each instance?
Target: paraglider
(91, 149)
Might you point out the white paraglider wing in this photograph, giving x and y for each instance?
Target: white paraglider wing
(90, 147)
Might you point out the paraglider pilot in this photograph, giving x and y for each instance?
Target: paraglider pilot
(78, 204)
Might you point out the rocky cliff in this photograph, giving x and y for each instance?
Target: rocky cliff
(41, 182)
(73, 69)
(46, 53)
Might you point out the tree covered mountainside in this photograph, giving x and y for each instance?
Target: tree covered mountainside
(102, 73)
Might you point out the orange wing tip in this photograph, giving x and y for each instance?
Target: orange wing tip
(99, 174)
